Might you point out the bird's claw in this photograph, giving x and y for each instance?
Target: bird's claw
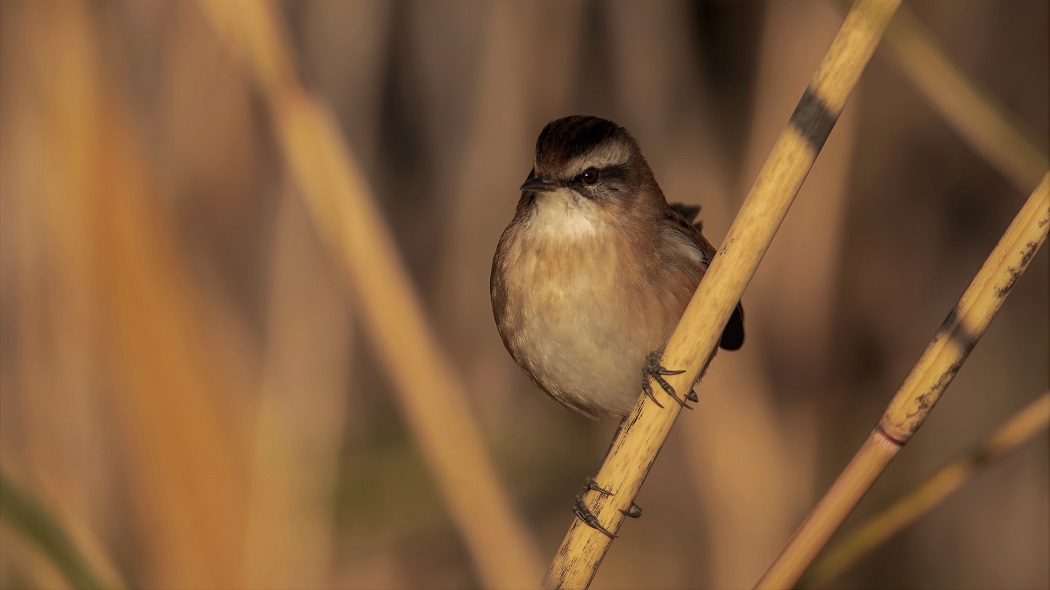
(655, 371)
(584, 513)
(633, 511)
(592, 486)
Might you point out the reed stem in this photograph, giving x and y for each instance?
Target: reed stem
(693, 342)
(922, 388)
(1020, 428)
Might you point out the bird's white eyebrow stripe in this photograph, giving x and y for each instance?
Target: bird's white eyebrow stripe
(603, 157)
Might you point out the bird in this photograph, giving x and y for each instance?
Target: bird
(595, 269)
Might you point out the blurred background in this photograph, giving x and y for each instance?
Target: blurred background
(190, 385)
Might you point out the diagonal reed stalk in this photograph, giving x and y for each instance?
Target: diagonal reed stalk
(1003, 143)
(692, 344)
(920, 391)
(1025, 424)
(427, 389)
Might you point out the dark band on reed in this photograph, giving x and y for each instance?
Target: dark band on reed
(1016, 271)
(813, 119)
(952, 327)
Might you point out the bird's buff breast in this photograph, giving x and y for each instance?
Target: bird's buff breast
(575, 319)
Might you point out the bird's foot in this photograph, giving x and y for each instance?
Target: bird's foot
(633, 511)
(655, 371)
(584, 513)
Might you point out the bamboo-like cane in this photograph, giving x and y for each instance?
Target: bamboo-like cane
(643, 433)
(1020, 428)
(429, 392)
(922, 388)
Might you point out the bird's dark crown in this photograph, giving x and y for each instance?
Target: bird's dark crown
(567, 140)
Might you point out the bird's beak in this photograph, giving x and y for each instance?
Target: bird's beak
(538, 184)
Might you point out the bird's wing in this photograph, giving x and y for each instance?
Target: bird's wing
(681, 218)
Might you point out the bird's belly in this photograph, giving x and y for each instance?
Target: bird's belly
(582, 328)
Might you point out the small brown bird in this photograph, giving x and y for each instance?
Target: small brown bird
(594, 271)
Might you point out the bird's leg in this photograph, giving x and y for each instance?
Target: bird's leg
(655, 371)
(584, 513)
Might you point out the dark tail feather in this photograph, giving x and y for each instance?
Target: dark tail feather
(733, 335)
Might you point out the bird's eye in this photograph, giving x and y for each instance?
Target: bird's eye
(590, 175)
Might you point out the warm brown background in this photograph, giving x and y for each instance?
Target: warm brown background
(183, 384)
